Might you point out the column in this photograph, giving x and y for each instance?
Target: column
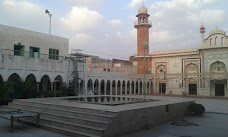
(105, 88)
(99, 89)
(37, 87)
(125, 89)
(130, 89)
(116, 89)
(121, 87)
(138, 88)
(110, 89)
(52, 90)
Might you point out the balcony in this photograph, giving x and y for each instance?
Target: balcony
(143, 22)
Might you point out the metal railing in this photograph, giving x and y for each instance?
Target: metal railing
(143, 22)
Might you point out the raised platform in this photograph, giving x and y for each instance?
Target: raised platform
(93, 116)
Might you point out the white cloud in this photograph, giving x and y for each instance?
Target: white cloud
(85, 3)
(81, 19)
(134, 3)
(24, 14)
(82, 36)
(212, 16)
(115, 23)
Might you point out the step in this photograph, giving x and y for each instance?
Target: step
(49, 105)
(84, 115)
(72, 133)
(68, 126)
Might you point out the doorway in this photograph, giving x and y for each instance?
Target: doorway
(162, 87)
(192, 89)
(219, 89)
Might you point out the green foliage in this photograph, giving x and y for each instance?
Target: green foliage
(196, 109)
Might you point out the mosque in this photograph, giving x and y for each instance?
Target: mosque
(44, 59)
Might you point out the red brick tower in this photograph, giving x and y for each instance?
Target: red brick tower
(143, 25)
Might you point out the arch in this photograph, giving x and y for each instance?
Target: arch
(140, 87)
(102, 87)
(113, 87)
(96, 87)
(14, 86)
(45, 85)
(128, 87)
(218, 68)
(30, 87)
(132, 87)
(151, 87)
(137, 87)
(58, 83)
(191, 70)
(90, 85)
(216, 41)
(123, 88)
(118, 87)
(222, 41)
(81, 87)
(161, 71)
(108, 88)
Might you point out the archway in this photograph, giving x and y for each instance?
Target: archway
(102, 87)
(123, 88)
(30, 87)
(128, 87)
(1, 81)
(90, 85)
(45, 86)
(113, 87)
(137, 87)
(81, 87)
(118, 88)
(58, 86)
(132, 87)
(108, 87)
(218, 78)
(140, 87)
(14, 87)
(96, 87)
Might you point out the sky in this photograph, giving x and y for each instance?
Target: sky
(107, 26)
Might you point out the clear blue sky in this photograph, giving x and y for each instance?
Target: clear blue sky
(107, 26)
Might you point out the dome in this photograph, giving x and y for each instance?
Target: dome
(217, 31)
(143, 9)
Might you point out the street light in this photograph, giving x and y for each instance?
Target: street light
(49, 14)
(144, 58)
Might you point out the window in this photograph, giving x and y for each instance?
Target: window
(34, 52)
(54, 54)
(216, 41)
(222, 41)
(19, 49)
(210, 42)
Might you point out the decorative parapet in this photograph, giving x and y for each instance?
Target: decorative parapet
(180, 51)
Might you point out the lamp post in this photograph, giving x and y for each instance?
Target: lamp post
(49, 14)
(144, 58)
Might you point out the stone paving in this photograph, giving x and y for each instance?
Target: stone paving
(214, 123)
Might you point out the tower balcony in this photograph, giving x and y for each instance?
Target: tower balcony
(143, 23)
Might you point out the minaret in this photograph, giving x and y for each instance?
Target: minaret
(202, 31)
(142, 25)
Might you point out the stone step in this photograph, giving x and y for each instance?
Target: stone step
(69, 126)
(63, 112)
(49, 105)
(64, 131)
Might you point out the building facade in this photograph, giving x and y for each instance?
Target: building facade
(200, 71)
(28, 55)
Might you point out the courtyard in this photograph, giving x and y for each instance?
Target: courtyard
(213, 123)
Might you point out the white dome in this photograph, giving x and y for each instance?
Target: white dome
(143, 9)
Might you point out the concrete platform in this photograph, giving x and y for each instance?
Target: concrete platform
(103, 120)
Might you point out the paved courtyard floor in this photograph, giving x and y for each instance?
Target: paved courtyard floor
(214, 123)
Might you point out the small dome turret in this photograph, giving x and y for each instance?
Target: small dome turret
(143, 10)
